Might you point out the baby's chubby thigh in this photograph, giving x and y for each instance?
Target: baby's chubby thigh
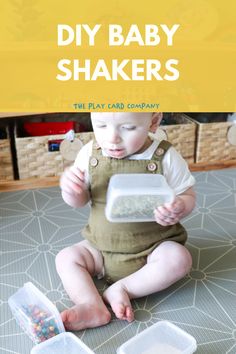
(171, 256)
(83, 254)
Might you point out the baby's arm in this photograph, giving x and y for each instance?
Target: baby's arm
(74, 189)
(170, 214)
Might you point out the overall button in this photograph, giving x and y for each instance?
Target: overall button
(152, 166)
(93, 162)
(159, 151)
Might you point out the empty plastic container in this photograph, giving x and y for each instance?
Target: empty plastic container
(35, 313)
(161, 338)
(64, 343)
(134, 197)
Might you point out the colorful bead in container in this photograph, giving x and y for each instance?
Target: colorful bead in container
(36, 315)
(43, 325)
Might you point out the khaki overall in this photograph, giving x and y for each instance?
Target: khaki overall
(124, 246)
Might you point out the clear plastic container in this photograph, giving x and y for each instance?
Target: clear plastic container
(64, 343)
(134, 197)
(35, 313)
(161, 338)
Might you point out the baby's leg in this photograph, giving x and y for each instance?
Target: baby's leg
(118, 297)
(169, 262)
(76, 265)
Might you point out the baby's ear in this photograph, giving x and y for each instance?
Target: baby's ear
(156, 120)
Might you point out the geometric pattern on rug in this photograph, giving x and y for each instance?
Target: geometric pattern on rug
(36, 224)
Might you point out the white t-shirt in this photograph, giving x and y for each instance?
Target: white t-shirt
(175, 168)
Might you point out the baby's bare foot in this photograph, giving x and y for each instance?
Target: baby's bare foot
(118, 298)
(85, 316)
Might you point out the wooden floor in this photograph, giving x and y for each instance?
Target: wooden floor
(31, 183)
(54, 181)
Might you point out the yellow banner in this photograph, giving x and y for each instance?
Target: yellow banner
(169, 56)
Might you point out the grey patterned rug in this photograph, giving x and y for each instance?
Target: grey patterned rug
(35, 225)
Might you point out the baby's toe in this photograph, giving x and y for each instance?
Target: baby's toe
(129, 314)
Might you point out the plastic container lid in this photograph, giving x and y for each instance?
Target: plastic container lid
(161, 338)
(64, 343)
(37, 316)
(134, 197)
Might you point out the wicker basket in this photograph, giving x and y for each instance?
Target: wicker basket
(182, 135)
(214, 143)
(6, 166)
(34, 158)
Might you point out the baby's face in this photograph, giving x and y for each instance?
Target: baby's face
(121, 134)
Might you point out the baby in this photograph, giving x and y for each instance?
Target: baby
(136, 259)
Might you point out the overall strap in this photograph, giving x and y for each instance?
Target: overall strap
(96, 154)
(160, 152)
(96, 148)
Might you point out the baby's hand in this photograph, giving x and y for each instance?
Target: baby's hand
(72, 181)
(170, 214)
